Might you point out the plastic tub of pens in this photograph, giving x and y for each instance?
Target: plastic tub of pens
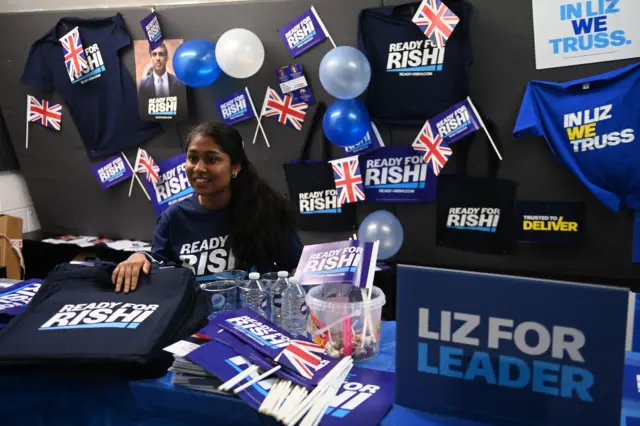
(345, 320)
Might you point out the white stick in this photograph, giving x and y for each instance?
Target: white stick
(264, 101)
(284, 393)
(237, 378)
(484, 128)
(322, 25)
(137, 178)
(26, 139)
(330, 395)
(294, 398)
(257, 379)
(281, 393)
(320, 407)
(303, 407)
(271, 397)
(259, 119)
(366, 317)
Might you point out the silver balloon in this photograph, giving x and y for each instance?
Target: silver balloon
(384, 227)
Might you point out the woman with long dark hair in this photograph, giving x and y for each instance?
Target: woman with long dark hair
(234, 219)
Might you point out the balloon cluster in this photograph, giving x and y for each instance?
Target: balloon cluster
(239, 53)
(345, 73)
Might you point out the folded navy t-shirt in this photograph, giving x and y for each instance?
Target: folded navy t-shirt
(103, 99)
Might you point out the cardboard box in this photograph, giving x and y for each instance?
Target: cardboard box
(11, 227)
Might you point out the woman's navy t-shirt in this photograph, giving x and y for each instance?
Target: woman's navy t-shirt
(189, 234)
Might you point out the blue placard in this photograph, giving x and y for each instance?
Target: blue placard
(510, 350)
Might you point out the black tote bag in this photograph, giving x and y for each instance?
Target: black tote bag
(312, 188)
(476, 214)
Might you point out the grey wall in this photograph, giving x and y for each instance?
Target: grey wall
(68, 199)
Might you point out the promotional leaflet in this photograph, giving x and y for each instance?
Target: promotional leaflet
(173, 185)
(161, 96)
(293, 83)
(15, 298)
(112, 171)
(343, 262)
(397, 174)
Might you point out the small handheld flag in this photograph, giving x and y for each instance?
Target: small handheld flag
(298, 357)
(43, 112)
(348, 179)
(144, 164)
(304, 32)
(437, 152)
(436, 21)
(284, 110)
(74, 57)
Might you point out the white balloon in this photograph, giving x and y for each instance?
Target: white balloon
(239, 53)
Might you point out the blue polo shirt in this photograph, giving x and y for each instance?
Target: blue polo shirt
(189, 234)
(103, 101)
(592, 127)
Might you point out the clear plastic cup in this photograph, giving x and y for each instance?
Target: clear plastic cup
(223, 295)
(343, 321)
(232, 274)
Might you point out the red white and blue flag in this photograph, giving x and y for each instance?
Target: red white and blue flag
(436, 21)
(74, 57)
(437, 151)
(298, 356)
(348, 179)
(284, 110)
(146, 166)
(44, 112)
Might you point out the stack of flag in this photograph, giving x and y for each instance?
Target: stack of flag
(14, 299)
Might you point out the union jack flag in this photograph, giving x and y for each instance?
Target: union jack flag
(299, 357)
(346, 172)
(146, 166)
(436, 149)
(436, 21)
(44, 112)
(284, 109)
(74, 58)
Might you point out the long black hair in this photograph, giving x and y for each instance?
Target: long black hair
(259, 217)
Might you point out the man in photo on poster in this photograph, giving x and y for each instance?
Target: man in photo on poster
(160, 93)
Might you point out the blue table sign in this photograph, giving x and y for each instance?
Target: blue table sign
(510, 350)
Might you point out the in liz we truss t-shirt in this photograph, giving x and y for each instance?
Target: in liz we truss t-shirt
(194, 236)
(411, 78)
(592, 125)
(103, 100)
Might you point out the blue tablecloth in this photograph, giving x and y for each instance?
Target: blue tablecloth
(31, 402)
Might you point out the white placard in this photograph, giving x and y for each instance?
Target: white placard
(573, 32)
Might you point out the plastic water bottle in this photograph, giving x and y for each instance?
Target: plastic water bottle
(254, 295)
(277, 289)
(294, 309)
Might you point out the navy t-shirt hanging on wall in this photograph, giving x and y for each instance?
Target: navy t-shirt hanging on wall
(411, 79)
(103, 100)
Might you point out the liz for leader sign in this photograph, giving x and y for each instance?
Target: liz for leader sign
(585, 31)
(173, 185)
(542, 353)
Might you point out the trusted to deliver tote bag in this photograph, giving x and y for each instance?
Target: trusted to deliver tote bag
(312, 188)
(476, 214)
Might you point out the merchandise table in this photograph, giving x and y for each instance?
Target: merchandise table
(41, 401)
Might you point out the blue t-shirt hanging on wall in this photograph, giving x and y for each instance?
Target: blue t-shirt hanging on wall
(411, 78)
(592, 126)
(189, 234)
(103, 100)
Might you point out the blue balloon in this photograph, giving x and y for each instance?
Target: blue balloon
(346, 122)
(345, 72)
(384, 227)
(195, 63)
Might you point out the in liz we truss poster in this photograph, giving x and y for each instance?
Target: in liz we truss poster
(584, 31)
